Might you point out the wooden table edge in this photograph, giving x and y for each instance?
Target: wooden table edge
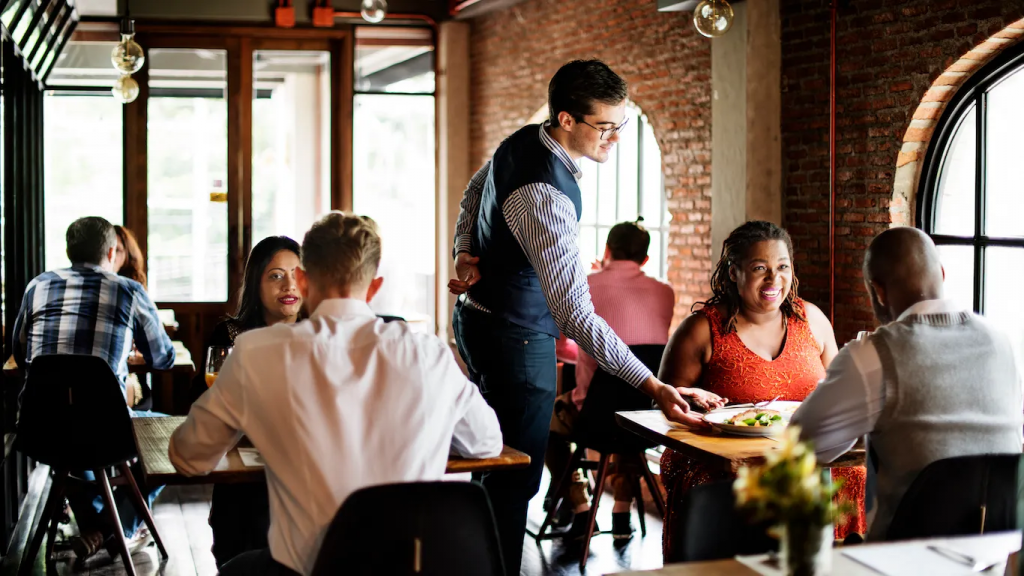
(509, 459)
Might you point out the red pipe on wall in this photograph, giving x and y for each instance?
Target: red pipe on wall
(832, 171)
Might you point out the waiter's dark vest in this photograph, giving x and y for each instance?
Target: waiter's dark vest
(509, 286)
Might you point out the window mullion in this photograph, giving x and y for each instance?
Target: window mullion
(980, 183)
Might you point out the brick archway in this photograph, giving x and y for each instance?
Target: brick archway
(902, 206)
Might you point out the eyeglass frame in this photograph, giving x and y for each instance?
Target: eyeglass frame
(606, 133)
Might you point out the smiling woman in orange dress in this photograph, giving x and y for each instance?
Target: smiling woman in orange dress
(753, 340)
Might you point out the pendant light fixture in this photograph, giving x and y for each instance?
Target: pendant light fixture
(374, 11)
(713, 18)
(127, 58)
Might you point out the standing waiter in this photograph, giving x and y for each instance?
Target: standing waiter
(516, 255)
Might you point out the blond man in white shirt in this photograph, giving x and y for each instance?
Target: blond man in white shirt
(334, 403)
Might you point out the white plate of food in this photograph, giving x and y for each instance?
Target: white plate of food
(767, 420)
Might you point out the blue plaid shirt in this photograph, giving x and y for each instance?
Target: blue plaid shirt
(86, 310)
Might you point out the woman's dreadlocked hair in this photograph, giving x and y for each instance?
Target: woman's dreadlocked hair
(734, 252)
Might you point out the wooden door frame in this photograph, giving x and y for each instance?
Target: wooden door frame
(239, 42)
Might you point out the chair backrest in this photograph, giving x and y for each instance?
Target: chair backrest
(386, 318)
(596, 427)
(712, 529)
(960, 496)
(442, 528)
(73, 415)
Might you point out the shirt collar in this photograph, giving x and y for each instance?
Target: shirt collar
(557, 149)
(87, 266)
(624, 265)
(335, 307)
(940, 306)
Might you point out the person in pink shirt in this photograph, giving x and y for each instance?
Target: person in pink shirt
(639, 309)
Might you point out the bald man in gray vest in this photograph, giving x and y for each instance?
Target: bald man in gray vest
(934, 382)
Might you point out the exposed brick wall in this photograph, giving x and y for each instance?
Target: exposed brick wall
(890, 52)
(668, 67)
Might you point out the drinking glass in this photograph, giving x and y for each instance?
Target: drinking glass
(215, 357)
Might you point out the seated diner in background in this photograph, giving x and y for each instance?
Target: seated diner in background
(88, 309)
(240, 513)
(334, 403)
(639, 310)
(130, 263)
(754, 340)
(935, 381)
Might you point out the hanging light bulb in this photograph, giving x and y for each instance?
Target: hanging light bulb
(125, 90)
(712, 18)
(127, 57)
(373, 11)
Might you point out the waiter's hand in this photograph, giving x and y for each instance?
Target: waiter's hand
(675, 407)
(467, 273)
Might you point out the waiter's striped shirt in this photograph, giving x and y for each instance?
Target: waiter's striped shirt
(543, 221)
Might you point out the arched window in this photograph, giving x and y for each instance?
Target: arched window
(628, 185)
(972, 194)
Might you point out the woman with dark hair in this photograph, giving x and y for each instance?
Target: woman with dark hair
(240, 513)
(754, 340)
(130, 263)
(128, 259)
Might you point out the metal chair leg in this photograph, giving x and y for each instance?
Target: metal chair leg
(602, 472)
(563, 484)
(652, 484)
(141, 507)
(115, 521)
(638, 494)
(59, 489)
(56, 495)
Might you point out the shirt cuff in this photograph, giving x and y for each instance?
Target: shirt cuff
(634, 372)
(463, 243)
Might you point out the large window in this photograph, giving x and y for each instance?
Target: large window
(628, 185)
(394, 163)
(83, 145)
(187, 175)
(83, 165)
(972, 195)
(291, 141)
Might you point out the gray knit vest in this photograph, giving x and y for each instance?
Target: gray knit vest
(951, 389)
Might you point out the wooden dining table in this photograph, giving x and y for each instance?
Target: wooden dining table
(153, 436)
(723, 450)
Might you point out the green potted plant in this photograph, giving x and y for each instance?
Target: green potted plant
(789, 491)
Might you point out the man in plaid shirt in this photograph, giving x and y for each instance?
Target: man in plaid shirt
(89, 309)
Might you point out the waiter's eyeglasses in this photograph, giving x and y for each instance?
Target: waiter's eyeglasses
(607, 133)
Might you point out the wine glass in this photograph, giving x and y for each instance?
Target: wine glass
(215, 357)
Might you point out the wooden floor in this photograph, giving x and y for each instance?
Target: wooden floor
(181, 516)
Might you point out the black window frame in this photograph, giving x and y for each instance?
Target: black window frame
(973, 94)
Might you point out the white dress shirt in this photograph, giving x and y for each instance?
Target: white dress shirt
(848, 402)
(335, 403)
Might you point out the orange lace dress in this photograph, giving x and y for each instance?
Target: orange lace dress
(740, 375)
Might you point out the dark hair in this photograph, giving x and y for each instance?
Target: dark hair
(249, 314)
(134, 266)
(580, 83)
(629, 241)
(89, 239)
(734, 252)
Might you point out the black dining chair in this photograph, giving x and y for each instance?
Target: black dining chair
(422, 528)
(960, 496)
(596, 429)
(73, 417)
(711, 528)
